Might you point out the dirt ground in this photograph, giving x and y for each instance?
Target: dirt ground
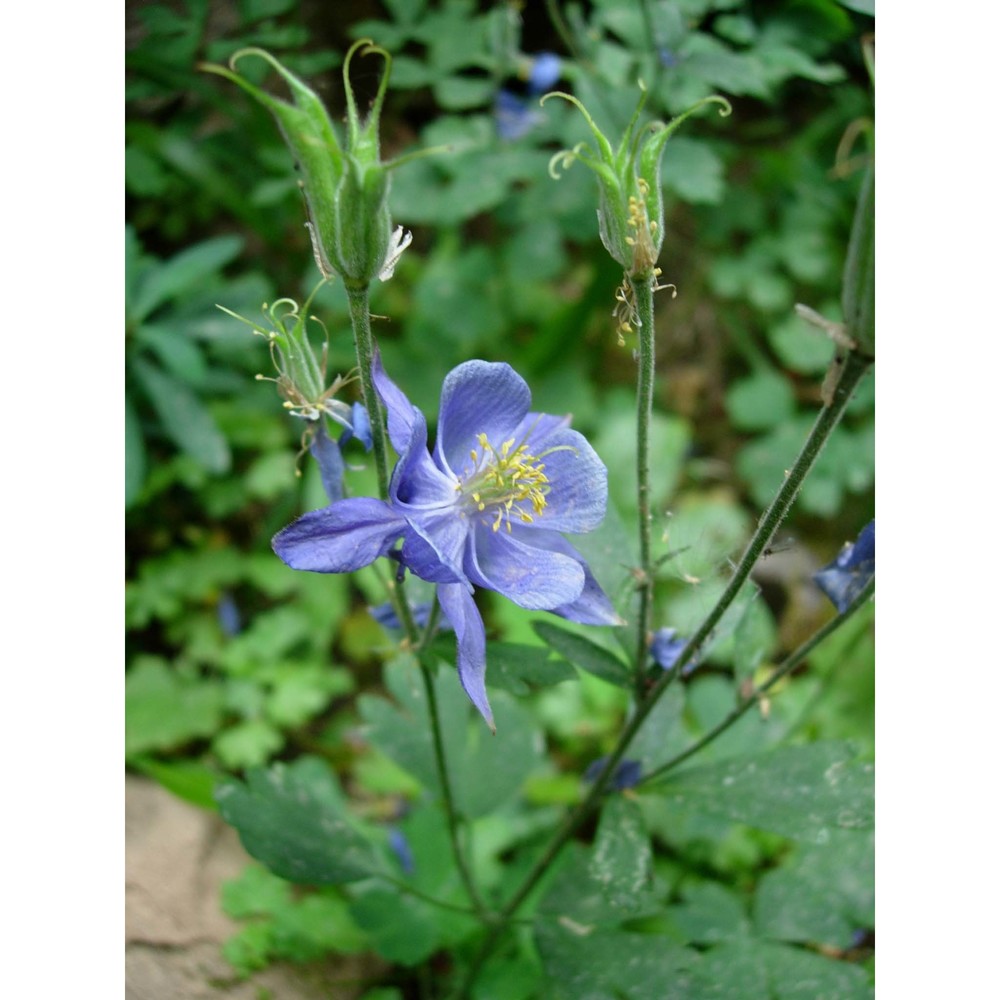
(176, 857)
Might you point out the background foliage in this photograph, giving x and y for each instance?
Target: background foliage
(235, 661)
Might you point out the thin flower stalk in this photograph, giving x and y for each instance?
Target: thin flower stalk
(854, 367)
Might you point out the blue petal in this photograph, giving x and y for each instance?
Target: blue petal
(326, 451)
(401, 414)
(545, 71)
(340, 538)
(534, 577)
(627, 773)
(434, 547)
(578, 480)
(401, 848)
(592, 607)
(666, 648)
(460, 609)
(478, 397)
(361, 427)
(844, 578)
(513, 116)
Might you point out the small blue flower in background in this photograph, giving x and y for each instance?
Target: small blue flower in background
(230, 620)
(487, 508)
(627, 773)
(848, 574)
(516, 113)
(666, 647)
(400, 846)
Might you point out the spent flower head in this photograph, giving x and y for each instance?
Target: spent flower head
(630, 213)
(630, 210)
(346, 184)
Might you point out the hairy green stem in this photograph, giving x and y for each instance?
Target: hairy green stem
(783, 670)
(851, 370)
(364, 345)
(447, 796)
(643, 289)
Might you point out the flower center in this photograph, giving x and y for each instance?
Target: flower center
(507, 481)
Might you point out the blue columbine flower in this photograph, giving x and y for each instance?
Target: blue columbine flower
(487, 508)
(848, 574)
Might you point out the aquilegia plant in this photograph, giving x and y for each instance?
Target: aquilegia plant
(491, 505)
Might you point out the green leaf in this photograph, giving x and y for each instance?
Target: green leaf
(733, 970)
(710, 913)
(182, 273)
(693, 171)
(185, 419)
(584, 654)
(760, 401)
(135, 455)
(587, 963)
(187, 779)
(823, 895)
(400, 927)
(294, 819)
(493, 767)
(795, 974)
(249, 743)
(164, 710)
(519, 668)
(802, 792)
(621, 860)
(800, 346)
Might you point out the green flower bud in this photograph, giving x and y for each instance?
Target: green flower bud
(630, 211)
(346, 185)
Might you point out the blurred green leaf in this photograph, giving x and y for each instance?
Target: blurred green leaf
(493, 768)
(185, 418)
(182, 273)
(803, 792)
(583, 653)
(401, 929)
(823, 895)
(135, 455)
(760, 401)
(248, 744)
(187, 779)
(164, 710)
(621, 860)
(293, 818)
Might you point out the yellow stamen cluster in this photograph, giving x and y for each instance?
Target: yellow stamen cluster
(503, 478)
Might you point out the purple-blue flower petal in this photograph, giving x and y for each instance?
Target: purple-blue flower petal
(544, 73)
(461, 611)
(666, 647)
(577, 499)
(401, 414)
(326, 451)
(533, 577)
(844, 578)
(340, 538)
(434, 547)
(478, 397)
